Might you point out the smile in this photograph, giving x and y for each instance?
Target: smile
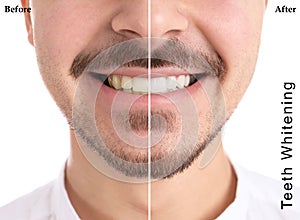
(139, 84)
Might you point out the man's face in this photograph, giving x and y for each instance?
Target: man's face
(187, 110)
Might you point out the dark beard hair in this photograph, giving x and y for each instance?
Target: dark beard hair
(159, 120)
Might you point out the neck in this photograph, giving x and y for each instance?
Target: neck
(193, 194)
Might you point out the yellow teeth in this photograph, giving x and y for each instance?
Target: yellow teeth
(116, 82)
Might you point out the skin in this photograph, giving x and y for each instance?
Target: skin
(228, 28)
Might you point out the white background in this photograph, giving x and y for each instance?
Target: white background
(34, 139)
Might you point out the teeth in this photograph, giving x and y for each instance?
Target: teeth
(115, 82)
(126, 83)
(180, 81)
(140, 84)
(110, 81)
(171, 83)
(187, 80)
(159, 85)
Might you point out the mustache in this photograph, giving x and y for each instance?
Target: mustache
(132, 54)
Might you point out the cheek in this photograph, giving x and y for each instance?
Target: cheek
(59, 32)
(233, 29)
(62, 29)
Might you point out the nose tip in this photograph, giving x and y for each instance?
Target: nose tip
(133, 19)
(167, 21)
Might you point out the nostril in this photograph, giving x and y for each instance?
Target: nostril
(129, 33)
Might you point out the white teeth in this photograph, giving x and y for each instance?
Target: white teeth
(171, 83)
(140, 84)
(159, 85)
(180, 81)
(187, 80)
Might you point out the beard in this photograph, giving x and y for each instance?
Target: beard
(168, 155)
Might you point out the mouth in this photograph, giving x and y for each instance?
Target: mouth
(135, 82)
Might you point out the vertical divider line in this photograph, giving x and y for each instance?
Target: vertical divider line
(149, 111)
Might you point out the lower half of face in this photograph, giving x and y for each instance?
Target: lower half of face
(130, 129)
(113, 113)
